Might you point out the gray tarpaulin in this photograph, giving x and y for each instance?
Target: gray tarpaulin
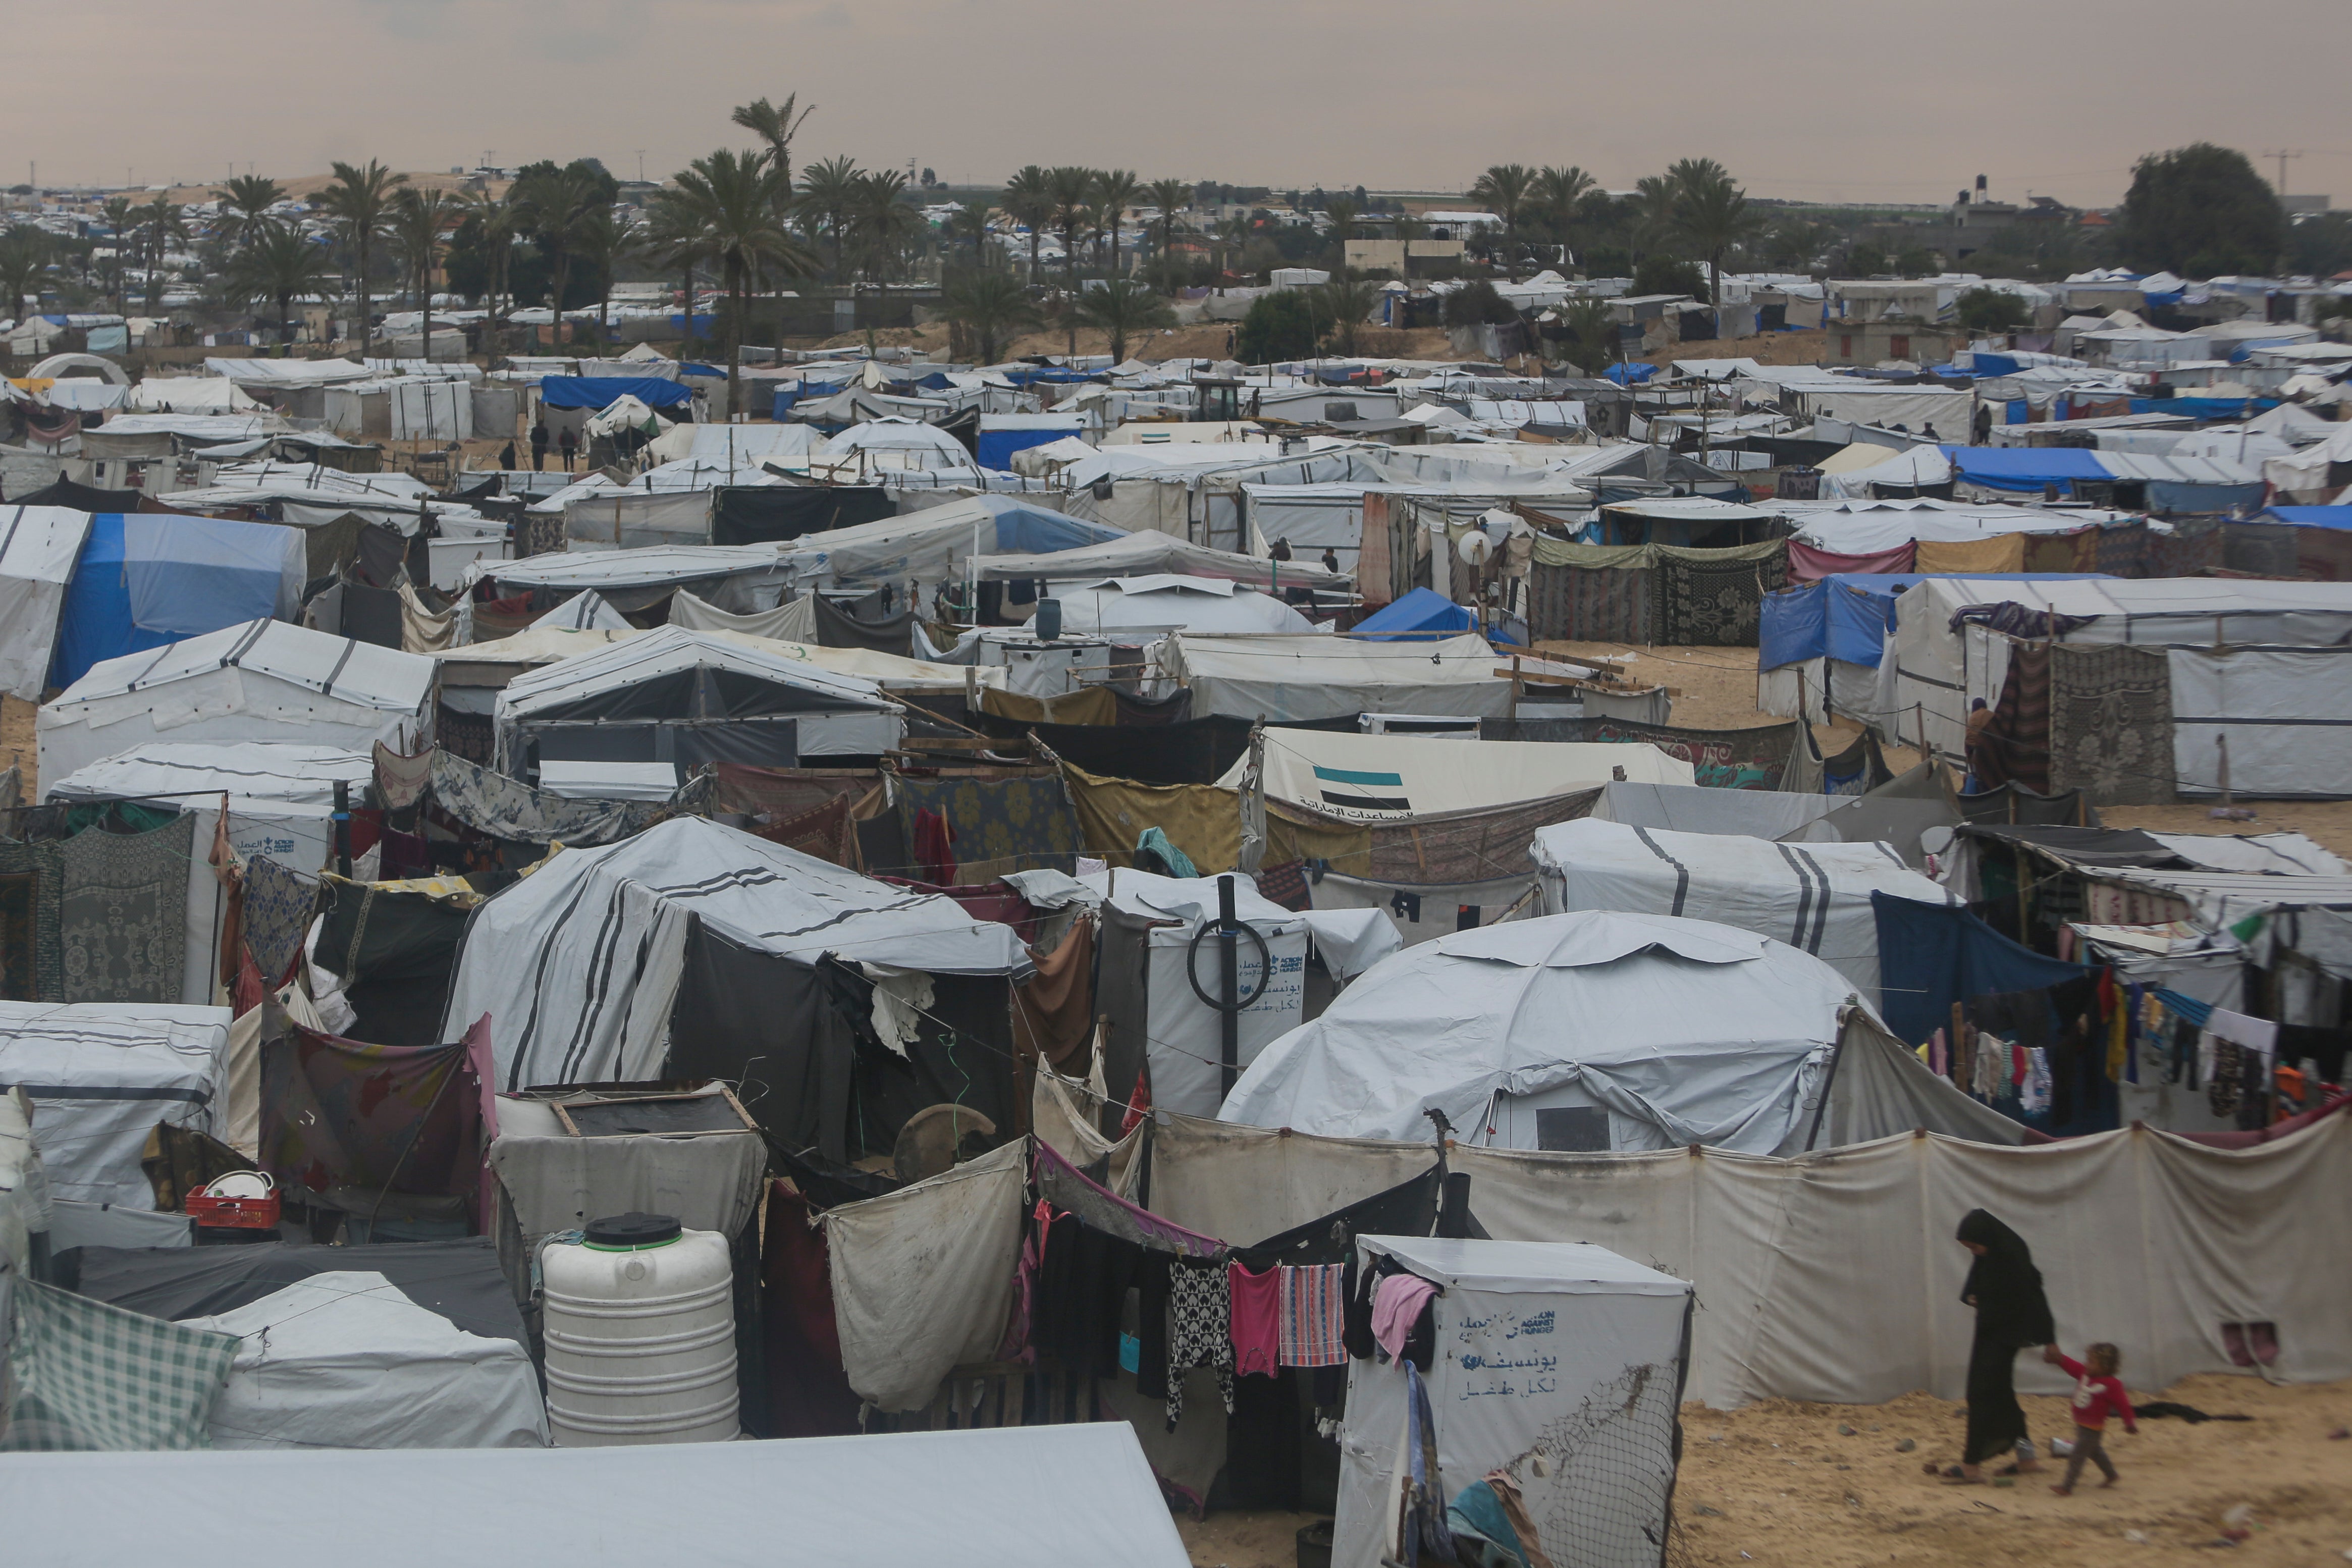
(711, 1181)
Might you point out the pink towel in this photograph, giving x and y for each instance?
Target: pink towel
(1257, 1320)
(1397, 1302)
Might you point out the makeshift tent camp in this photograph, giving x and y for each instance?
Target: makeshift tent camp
(1002, 435)
(1815, 898)
(738, 578)
(345, 1360)
(1151, 553)
(261, 682)
(1395, 778)
(1423, 615)
(143, 582)
(1598, 1032)
(933, 546)
(101, 1078)
(993, 1498)
(1297, 679)
(38, 549)
(1120, 607)
(676, 696)
(602, 391)
(1651, 593)
(578, 965)
(1562, 1368)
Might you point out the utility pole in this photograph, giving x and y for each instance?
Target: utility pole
(2281, 156)
(641, 165)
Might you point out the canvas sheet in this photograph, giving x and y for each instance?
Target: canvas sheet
(2286, 712)
(121, 920)
(1754, 759)
(557, 1182)
(1393, 778)
(922, 1277)
(1418, 914)
(101, 1077)
(38, 549)
(1294, 679)
(89, 1378)
(1000, 825)
(1815, 897)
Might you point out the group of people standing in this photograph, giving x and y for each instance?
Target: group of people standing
(2013, 1315)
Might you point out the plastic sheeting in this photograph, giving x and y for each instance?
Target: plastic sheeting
(347, 1361)
(602, 391)
(1297, 679)
(1815, 898)
(2286, 713)
(922, 1283)
(1005, 1497)
(192, 575)
(554, 1181)
(38, 549)
(1394, 778)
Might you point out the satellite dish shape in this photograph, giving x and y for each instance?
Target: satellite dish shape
(1475, 548)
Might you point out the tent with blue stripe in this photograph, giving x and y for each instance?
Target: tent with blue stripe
(603, 391)
(1847, 616)
(146, 581)
(1423, 614)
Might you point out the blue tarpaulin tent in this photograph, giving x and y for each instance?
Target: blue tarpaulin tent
(1629, 372)
(2310, 517)
(1847, 615)
(2026, 467)
(1423, 614)
(144, 581)
(1002, 435)
(602, 392)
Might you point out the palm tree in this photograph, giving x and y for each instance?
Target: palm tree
(1341, 211)
(990, 306)
(1029, 201)
(968, 226)
(278, 263)
(118, 213)
(420, 224)
(1711, 212)
(1116, 190)
(1072, 188)
(161, 222)
(1349, 300)
(23, 259)
(831, 192)
(1230, 235)
(882, 223)
(775, 124)
(605, 241)
(1122, 309)
(556, 206)
(1504, 188)
(360, 201)
(1588, 322)
(1557, 191)
(498, 219)
(726, 208)
(1171, 196)
(244, 205)
(1653, 217)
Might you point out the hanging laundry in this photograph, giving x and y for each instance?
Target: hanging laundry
(1397, 1303)
(2035, 1096)
(1313, 1309)
(1257, 1317)
(1200, 1330)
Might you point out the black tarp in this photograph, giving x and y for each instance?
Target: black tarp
(837, 628)
(2083, 846)
(395, 952)
(759, 514)
(2016, 803)
(767, 1023)
(460, 1280)
(1197, 751)
(64, 491)
(371, 614)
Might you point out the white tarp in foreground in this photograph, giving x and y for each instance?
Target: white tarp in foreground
(1387, 777)
(1003, 1498)
(1292, 679)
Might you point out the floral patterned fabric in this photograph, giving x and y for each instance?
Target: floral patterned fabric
(124, 913)
(32, 888)
(279, 903)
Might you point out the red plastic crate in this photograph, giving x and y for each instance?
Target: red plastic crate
(234, 1213)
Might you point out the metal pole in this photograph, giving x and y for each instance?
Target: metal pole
(1229, 1022)
(342, 828)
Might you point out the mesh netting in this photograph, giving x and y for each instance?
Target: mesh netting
(1597, 1481)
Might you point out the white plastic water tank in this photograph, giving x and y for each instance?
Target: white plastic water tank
(640, 1329)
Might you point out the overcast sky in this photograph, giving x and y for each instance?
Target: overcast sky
(1848, 99)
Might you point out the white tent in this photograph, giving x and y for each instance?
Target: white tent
(1123, 606)
(1150, 553)
(1000, 1497)
(1393, 778)
(933, 545)
(1871, 528)
(1562, 1365)
(577, 965)
(732, 443)
(262, 680)
(1294, 679)
(1814, 896)
(738, 578)
(934, 447)
(39, 547)
(345, 1360)
(1599, 1031)
(672, 674)
(102, 1075)
(189, 394)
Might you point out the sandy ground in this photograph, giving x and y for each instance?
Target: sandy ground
(17, 743)
(1778, 1484)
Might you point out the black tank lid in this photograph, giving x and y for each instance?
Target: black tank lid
(634, 1229)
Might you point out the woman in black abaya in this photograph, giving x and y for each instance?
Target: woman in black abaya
(2012, 1314)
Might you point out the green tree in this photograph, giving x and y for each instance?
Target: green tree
(1347, 303)
(1557, 194)
(606, 242)
(2201, 211)
(245, 204)
(990, 306)
(1866, 259)
(1122, 309)
(1072, 187)
(1475, 303)
(1666, 275)
(555, 207)
(882, 223)
(278, 264)
(1588, 325)
(830, 193)
(1116, 190)
(1171, 196)
(725, 209)
(162, 224)
(1915, 261)
(1279, 326)
(1028, 201)
(24, 262)
(1649, 217)
(775, 124)
(360, 202)
(1710, 212)
(1342, 211)
(421, 220)
(1504, 189)
(1990, 311)
(2321, 245)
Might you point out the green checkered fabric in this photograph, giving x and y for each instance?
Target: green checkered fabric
(85, 1375)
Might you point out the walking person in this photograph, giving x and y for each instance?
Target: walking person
(507, 457)
(2012, 1314)
(569, 444)
(2098, 1394)
(539, 447)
